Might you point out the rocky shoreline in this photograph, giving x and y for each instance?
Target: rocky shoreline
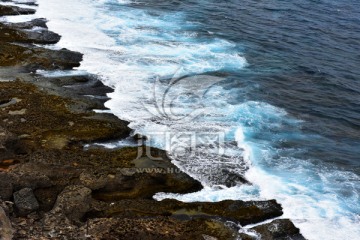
(53, 188)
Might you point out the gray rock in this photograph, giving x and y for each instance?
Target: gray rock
(25, 201)
(279, 229)
(38, 22)
(13, 10)
(42, 36)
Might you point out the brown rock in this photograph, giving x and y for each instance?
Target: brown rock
(163, 228)
(73, 202)
(6, 187)
(6, 230)
(236, 211)
(34, 58)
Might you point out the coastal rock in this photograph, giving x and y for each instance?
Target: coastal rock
(11, 33)
(31, 180)
(73, 202)
(25, 201)
(34, 58)
(279, 229)
(38, 22)
(62, 59)
(13, 10)
(132, 184)
(93, 181)
(6, 188)
(146, 177)
(236, 211)
(163, 228)
(232, 178)
(6, 230)
(8, 145)
(47, 197)
(42, 36)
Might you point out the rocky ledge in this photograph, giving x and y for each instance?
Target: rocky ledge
(52, 187)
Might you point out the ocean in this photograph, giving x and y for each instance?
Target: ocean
(265, 92)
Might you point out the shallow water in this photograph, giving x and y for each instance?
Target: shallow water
(273, 84)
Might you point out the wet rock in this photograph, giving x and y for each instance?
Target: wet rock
(42, 36)
(6, 187)
(280, 229)
(83, 85)
(11, 33)
(73, 202)
(62, 59)
(13, 10)
(232, 178)
(6, 230)
(139, 137)
(25, 201)
(23, 2)
(38, 22)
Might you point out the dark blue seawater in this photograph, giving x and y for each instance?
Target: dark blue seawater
(287, 92)
(304, 56)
